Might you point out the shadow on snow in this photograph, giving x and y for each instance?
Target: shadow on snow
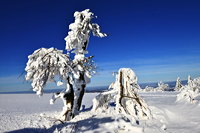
(80, 126)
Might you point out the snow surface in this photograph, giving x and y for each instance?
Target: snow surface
(28, 113)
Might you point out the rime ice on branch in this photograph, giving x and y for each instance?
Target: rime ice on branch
(127, 99)
(78, 38)
(44, 64)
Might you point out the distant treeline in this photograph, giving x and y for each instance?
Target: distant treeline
(95, 89)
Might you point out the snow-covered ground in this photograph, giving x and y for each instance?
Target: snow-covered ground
(28, 113)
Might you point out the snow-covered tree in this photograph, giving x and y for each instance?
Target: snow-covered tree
(191, 91)
(124, 94)
(46, 64)
(190, 82)
(178, 84)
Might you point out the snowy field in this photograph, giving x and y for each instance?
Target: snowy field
(28, 113)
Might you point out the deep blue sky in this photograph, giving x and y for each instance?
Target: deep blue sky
(159, 39)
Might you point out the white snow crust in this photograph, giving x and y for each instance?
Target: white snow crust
(28, 113)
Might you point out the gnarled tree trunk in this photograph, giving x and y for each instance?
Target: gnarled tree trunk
(79, 93)
(68, 100)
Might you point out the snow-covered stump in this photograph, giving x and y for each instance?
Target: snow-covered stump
(127, 100)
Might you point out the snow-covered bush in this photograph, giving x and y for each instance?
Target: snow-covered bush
(148, 89)
(46, 64)
(191, 91)
(162, 86)
(125, 95)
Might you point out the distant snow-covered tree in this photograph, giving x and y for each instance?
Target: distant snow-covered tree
(178, 84)
(46, 64)
(191, 91)
(190, 82)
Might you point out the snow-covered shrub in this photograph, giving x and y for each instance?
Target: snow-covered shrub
(178, 84)
(102, 101)
(191, 91)
(148, 89)
(125, 95)
(162, 86)
(46, 64)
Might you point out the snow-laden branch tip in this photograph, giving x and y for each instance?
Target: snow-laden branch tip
(44, 64)
(79, 34)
